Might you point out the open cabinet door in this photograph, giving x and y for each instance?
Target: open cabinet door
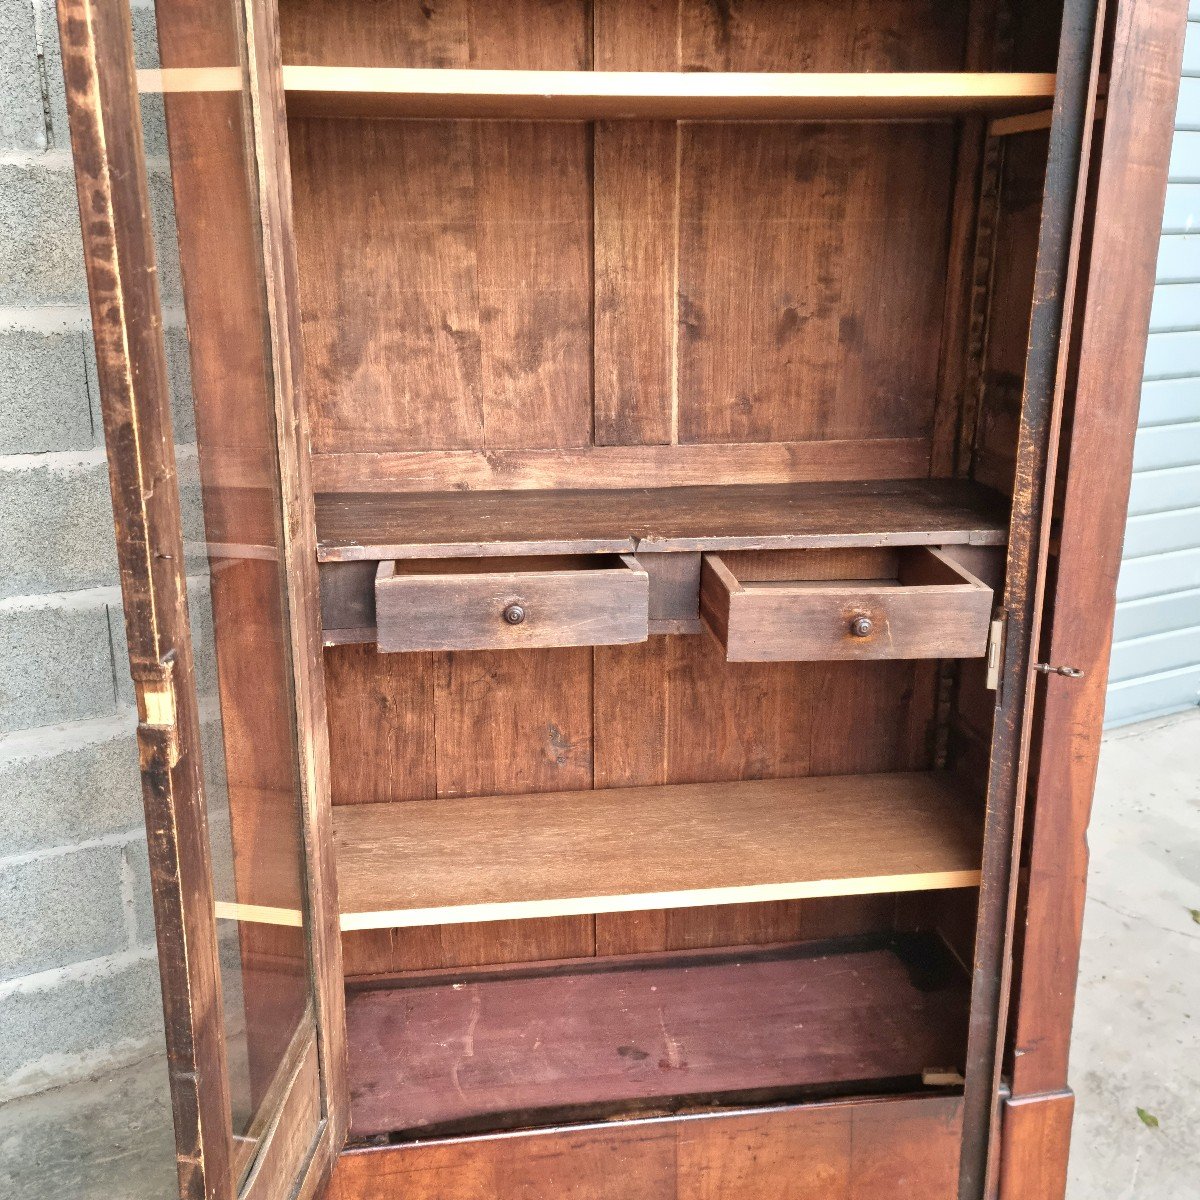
(218, 577)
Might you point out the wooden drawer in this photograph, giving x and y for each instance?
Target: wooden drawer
(805, 605)
(510, 603)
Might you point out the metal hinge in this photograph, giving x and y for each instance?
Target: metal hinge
(1065, 672)
(995, 648)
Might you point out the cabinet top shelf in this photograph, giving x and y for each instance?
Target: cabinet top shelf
(329, 91)
(370, 526)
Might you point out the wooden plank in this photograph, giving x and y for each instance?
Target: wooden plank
(636, 241)
(623, 466)
(484, 340)
(934, 512)
(605, 1038)
(371, 92)
(330, 1098)
(674, 1158)
(380, 712)
(624, 849)
(779, 35)
(1035, 1142)
(810, 305)
(287, 1144)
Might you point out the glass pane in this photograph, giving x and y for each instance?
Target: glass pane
(203, 187)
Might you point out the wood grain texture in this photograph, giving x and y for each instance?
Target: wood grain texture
(1119, 277)
(623, 466)
(609, 1037)
(615, 850)
(810, 305)
(677, 1158)
(287, 1145)
(929, 608)
(1035, 1143)
(760, 721)
(939, 512)
(484, 340)
(465, 604)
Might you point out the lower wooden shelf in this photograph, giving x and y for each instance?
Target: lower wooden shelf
(594, 1039)
(443, 862)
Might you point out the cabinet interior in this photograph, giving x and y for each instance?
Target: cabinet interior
(629, 875)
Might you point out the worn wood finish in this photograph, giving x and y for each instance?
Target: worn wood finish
(1119, 275)
(623, 849)
(106, 142)
(928, 608)
(288, 1145)
(502, 604)
(874, 1149)
(1035, 1143)
(303, 608)
(373, 92)
(636, 415)
(1037, 442)
(218, 221)
(484, 339)
(731, 517)
(659, 1032)
(835, 331)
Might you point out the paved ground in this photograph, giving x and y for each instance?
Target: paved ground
(108, 1140)
(1137, 1036)
(1137, 1029)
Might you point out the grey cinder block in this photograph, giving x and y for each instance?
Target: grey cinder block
(45, 391)
(56, 663)
(56, 526)
(60, 909)
(69, 784)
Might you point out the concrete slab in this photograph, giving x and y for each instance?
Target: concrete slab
(1137, 1031)
(107, 1140)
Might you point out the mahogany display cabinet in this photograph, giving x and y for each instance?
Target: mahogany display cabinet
(619, 504)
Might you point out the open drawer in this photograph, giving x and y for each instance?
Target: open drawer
(510, 603)
(807, 605)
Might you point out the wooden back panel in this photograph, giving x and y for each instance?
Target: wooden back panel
(519, 285)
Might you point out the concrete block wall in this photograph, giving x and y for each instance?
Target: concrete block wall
(78, 971)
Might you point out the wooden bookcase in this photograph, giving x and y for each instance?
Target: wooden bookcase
(651, 460)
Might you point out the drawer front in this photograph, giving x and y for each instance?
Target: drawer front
(858, 620)
(497, 609)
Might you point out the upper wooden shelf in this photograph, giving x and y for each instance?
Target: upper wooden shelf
(370, 526)
(663, 95)
(444, 862)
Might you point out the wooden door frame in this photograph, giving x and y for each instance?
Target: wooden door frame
(119, 256)
(1103, 370)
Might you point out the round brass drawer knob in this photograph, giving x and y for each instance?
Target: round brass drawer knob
(862, 626)
(514, 614)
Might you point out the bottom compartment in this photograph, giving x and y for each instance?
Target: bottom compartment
(440, 1053)
(855, 1150)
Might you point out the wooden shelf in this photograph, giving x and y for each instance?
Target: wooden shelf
(327, 91)
(368, 526)
(444, 862)
(527, 1046)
